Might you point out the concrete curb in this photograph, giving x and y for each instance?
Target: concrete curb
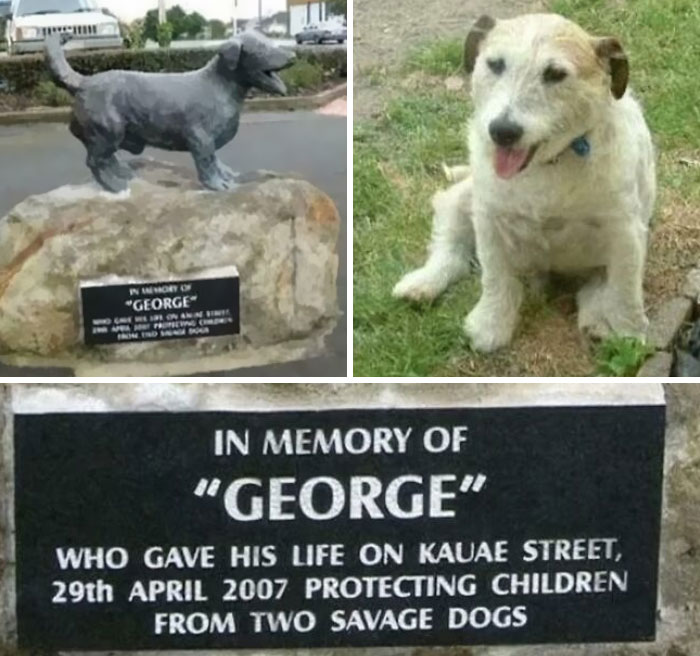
(291, 103)
(666, 327)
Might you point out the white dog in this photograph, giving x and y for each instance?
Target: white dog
(562, 179)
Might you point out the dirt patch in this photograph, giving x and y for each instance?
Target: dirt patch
(384, 31)
(674, 250)
(336, 108)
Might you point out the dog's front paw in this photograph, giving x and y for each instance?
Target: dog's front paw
(592, 322)
(423, 284)
(601, 315)
(594, 328)
(602, 326)
(591, 301)
(633, 324)
(486, 330)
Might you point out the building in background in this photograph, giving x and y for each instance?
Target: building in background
(276, 24)
(303, 13)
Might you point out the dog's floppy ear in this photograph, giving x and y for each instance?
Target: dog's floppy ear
(230, 53)
(471, 46)
(610, 50)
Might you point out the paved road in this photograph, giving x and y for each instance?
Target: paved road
(39, 157)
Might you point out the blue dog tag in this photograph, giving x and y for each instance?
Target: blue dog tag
(581, 146)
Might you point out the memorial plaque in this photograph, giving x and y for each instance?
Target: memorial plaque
(333, 528)
(155, 311)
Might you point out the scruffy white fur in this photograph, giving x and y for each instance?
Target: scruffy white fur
(564, 212)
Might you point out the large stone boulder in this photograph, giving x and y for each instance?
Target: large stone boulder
(280, 233)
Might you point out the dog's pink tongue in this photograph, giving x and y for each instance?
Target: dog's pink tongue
(509, 161)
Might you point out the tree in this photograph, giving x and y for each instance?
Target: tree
(338, 7)
(177, 17)
(134, 37)
(218, 29)
(181, 24)
(194, 24)
(165, 34)
(150, 25)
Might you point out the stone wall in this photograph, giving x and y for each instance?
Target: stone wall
(679, 615)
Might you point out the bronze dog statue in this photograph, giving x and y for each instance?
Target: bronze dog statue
(197, 112)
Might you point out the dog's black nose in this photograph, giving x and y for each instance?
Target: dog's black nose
(505, 132)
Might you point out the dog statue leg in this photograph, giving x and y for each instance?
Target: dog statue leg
(451, 247)
(106, 168)
(212, 173)
(227, 173)
(120, 169)
(491, 323)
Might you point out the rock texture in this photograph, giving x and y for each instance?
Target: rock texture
(668, 321)
(658, 365)
(691, 287)
(280, 233)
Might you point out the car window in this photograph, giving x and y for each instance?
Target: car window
(29, 7)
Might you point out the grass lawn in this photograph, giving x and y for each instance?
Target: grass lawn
(398, 167)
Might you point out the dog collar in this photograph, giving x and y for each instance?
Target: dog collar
(581, 146)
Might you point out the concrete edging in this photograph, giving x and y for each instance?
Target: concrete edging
(667, 325)
(291, 103)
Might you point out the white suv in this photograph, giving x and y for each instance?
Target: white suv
(31, 21)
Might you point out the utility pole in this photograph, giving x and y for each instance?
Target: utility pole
(235, 17)
(161, 11)
(260, 14)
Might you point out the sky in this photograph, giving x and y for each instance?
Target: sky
(128, 10)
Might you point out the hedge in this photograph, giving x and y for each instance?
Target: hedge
(24, 73)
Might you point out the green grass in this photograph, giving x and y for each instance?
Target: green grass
(49, 95)
(396, 171)
(397, 168)
(303, 75)
(437, 58)
(662, 41)
(373, 75)
(621, 356)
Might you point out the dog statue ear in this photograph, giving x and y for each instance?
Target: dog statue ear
(230, 53)
(471, 46)
(610, 50)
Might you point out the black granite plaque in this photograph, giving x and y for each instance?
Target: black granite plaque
(157, 311)
(337, 528)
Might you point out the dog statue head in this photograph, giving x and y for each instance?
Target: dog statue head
(539, 82)
(253, 60)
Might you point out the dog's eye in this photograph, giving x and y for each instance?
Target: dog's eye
(497, 66)
(552, 74)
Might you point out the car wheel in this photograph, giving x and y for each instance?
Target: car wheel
(319, 41)
(341, 41)
(299, 41)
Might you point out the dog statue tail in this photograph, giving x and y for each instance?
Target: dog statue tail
(61, 72)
